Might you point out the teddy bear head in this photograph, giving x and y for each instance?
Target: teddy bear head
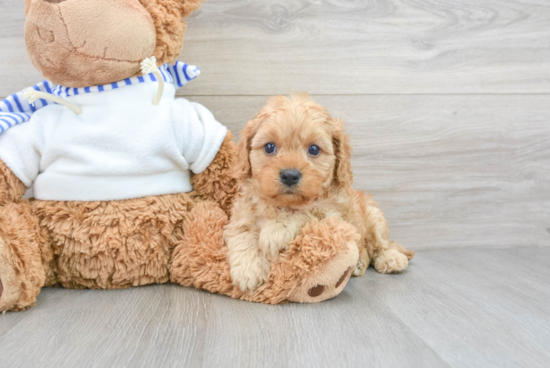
(81, 43)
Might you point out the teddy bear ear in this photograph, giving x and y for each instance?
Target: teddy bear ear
(27, 6)
(186, 7)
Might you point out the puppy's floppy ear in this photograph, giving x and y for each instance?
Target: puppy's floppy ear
(244, 170)
(343, 175)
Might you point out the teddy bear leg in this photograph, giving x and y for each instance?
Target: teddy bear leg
(22, 271)
(199, 258)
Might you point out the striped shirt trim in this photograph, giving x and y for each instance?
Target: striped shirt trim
(16, 110)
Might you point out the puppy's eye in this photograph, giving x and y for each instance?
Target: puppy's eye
(314, 150)
(270, 148)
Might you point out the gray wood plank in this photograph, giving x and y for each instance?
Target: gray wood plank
(451, 308)
(248, 47)
(461, 303)
(151, 326)
(343, 332)
(448, 171)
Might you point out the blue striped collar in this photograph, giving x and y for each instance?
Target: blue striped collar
(15, 109)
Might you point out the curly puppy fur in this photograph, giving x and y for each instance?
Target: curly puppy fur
(269, 214)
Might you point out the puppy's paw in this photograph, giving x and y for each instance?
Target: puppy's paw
(268, 244)
(360, 268)
(250, 277)
(391, 261)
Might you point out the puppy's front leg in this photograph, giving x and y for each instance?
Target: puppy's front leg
(249, 267)
(276, 235)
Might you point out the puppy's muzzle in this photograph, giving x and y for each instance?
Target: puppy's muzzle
(290, 177)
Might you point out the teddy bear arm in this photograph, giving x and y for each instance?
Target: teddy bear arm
(217, 183)
(316, 266)
(11, 188)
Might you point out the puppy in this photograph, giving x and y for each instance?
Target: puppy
(294, 166)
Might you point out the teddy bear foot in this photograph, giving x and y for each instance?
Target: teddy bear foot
(18, 290)
(12, 297)
(9, 294)
(319, 293)
(329, 280)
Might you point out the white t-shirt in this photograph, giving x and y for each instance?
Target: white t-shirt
(120, 147)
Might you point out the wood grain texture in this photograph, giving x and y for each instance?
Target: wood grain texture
(249, 47)
(448, 171)
(451, 308)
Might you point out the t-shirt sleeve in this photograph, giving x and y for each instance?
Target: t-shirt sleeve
(21, 147)
(201, 135)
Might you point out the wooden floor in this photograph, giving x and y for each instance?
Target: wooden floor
(452, 308)
(448, 108)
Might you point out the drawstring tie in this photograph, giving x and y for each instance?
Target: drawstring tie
(32, 95)
(148, 66)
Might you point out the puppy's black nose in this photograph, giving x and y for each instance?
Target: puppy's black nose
(290, 177)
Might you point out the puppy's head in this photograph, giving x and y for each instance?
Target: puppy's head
(294, 152)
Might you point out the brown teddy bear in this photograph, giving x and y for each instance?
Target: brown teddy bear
(124, 175)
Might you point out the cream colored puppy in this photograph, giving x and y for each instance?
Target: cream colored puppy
(295, 167)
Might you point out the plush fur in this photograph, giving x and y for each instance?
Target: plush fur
(170, 28)
(99, 245)
(222, 190)
(268, 214)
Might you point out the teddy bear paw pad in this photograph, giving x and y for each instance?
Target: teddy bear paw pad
(343, 278)
(316, 291)
(330, 280)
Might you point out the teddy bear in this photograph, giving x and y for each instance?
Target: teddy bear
(108, 181)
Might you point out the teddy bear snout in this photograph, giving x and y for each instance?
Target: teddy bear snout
(45, 35)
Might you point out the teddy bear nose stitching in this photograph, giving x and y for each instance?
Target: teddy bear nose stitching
(290, 177)
(316, 291)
